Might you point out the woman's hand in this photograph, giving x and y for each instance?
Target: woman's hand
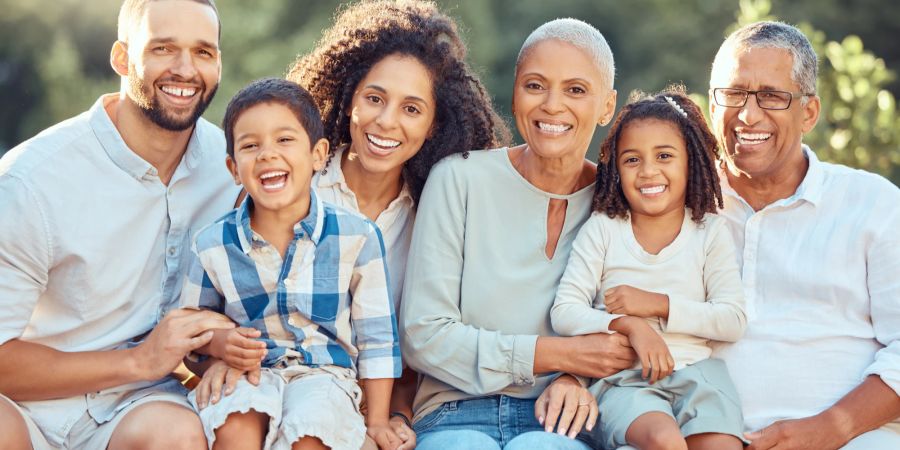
(220, 375)
(566, 405)
(384, 435)
(632, 301)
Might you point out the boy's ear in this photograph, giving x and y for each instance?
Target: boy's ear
(232, 167)
(320, 154)
(118, 58)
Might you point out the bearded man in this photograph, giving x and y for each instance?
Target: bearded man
(96, 216)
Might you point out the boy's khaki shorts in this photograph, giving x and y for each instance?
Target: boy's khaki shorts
(300, 401)
(700, 397)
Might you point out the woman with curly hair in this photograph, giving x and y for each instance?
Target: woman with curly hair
(396, 96)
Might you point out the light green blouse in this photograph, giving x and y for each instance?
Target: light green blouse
(479, 285)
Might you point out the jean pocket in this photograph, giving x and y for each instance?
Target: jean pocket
(431, 419)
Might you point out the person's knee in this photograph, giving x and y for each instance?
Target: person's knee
(15, 432)
(159, 426)
(242, 430)
(456, 439)
(544, 440)
(664, 439)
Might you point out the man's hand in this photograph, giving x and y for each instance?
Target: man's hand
(177, 334)
(384, 435)
(810, 433)
(220, 375)
(635, 302)
(567, 406)
(238, 347)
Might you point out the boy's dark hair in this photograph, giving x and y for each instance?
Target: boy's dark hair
(273, 90)
(132, 11)
(703, 192)
(365, 33)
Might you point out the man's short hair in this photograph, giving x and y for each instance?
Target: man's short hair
(805, 70)
(132, 12)
(580, 34)
(278, 91)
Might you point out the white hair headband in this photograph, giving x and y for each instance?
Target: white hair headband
(676, 106)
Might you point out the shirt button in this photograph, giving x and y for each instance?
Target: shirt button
(292, 322)
(289, 282)
(171, 251)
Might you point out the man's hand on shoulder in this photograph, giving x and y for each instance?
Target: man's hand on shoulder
(177, 334)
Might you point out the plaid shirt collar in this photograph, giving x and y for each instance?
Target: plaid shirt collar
(310, 226)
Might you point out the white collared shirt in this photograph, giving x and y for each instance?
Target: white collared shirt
(821, 275)
(94, 245)
(396, 221)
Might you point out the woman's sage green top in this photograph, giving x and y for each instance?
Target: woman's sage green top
(479, 285)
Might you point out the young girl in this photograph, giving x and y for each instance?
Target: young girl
(654, 263)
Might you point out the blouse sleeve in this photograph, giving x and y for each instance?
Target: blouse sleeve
(435, 341)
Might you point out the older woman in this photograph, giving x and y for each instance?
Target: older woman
(493, 234)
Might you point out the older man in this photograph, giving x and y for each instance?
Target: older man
(819, 248)
(96, 214)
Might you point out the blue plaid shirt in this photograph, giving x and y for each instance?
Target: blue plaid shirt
(328, 302)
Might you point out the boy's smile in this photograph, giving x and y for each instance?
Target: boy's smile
(274, 160)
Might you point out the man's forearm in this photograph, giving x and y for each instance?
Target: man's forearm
(30, 371)
(871, 405)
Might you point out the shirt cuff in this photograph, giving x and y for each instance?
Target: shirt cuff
(886, 366)
(523, 360)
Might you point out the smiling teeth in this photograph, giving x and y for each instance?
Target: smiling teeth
(179, 92)
(388, 143)
(272, 175)
(752, 138)
(652, 190)
(552, 128)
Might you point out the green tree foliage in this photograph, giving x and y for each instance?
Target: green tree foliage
(54, 56)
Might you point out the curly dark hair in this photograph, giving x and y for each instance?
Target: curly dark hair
(703, 192)
(365, 33)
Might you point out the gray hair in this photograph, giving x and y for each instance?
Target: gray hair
(580, 34)
(774, 35)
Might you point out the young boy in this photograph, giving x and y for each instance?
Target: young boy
(307, 278)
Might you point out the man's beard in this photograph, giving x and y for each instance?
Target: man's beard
(147, 100)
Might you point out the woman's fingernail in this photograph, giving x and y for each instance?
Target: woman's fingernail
(541, 420)
(562, 431)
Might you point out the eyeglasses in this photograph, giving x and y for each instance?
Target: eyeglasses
(737, 98)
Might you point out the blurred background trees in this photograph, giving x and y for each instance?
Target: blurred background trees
(54, 55)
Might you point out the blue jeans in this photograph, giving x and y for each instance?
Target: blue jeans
(489, 423)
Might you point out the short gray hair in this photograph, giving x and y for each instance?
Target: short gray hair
(805, 69)
(580, 34)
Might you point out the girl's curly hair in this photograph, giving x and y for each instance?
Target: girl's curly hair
(365, 33)
(703, 192)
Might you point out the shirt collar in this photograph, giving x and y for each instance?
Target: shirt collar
(311, 225)
(112, 141)
(810, 189)
(119, 152)
(333, 175)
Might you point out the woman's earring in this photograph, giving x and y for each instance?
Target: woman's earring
(616, 178)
